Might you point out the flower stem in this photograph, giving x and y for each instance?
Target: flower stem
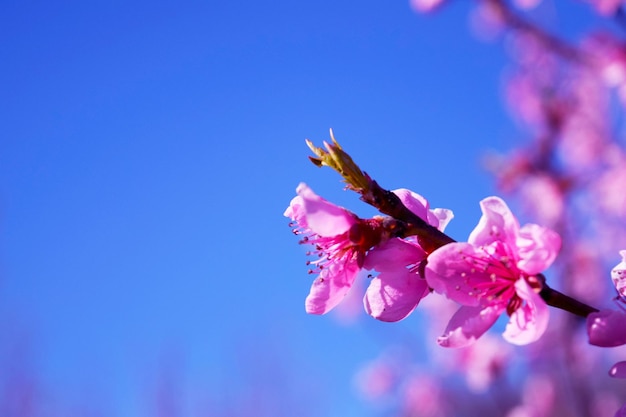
(559, 300)
(429, 237)
(333, 156)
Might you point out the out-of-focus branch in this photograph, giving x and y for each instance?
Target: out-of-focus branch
(552, 42)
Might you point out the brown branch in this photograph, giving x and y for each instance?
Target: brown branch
(429, 237)
(554, 43)
(559, 300)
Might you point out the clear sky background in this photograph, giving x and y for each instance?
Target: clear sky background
(147, 153)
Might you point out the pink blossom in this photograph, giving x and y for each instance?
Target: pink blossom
(486, 21)
(524, 99)
(608, 56)
(396, 291)
(376, 379)
(527, 4)
(538, 398)
(398, 288)
(608, 188)
(606, 7)
(340, 239)
(483, 362)
(541, 196)
(425, 6)
(424, 396)
(494, 272)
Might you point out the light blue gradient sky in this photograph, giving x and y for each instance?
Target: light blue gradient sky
(149, 150)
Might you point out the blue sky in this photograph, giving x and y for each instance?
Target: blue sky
(149, 150)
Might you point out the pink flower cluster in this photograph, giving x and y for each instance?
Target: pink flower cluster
(498, 270)
(344, 244)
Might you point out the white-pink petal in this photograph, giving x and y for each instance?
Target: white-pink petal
(414, 202)
(468, 324)
(528, 323)
(331, 286)
(537, 248)
(295, 211)
(496, 224)
(323, 217)
(394, 254)
(393, 295)
(448, 271)
(440, 218)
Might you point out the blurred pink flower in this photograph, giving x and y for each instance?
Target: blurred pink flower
(486, 21)
(606, 7)
(341, 240)
(398, 288)
(376, 379)
(608, 189)
(524, 99)
(538, 398)
(542, 197)
(425, 6)
(576, 108)
(483, 362)
(621, 412)
(425, 397)
(527, 4)
(494, 272)
(608, 56)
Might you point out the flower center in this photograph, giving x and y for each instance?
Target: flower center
(349, 246)
(493, 274)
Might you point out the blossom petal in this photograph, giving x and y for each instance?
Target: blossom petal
(468, 324)
(607, 328)
(618, 370)
(295, 211)
(331, 286)
(440, 218)
(496, 224)
(394, 254)
(323, 217)
(537, 248)
(413, 201)
(449, 268)
(528, 322)
(393, 295)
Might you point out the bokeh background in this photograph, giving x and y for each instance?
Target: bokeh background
(148, 151)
